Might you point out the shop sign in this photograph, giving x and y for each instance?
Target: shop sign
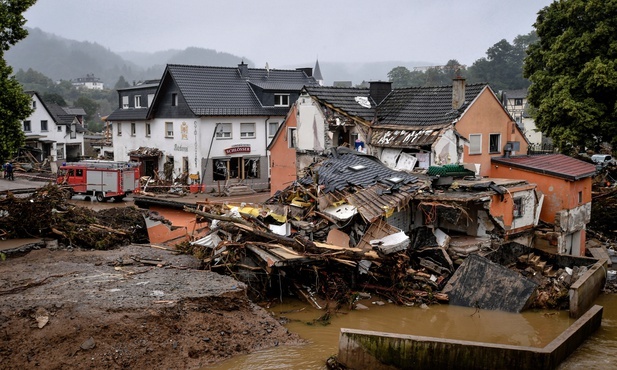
(239, 148)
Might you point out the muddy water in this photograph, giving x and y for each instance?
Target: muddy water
(527, 329)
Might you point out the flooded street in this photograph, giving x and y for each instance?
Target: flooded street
(535, 328)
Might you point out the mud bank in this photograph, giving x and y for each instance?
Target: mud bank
(131, 307)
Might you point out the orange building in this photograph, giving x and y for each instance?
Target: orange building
(566, 185)
(282, 151)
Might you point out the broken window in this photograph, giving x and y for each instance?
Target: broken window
(226, 168)
(223, 131)
(291, 137)
(251, 168)
(494, 143)
(517, 210)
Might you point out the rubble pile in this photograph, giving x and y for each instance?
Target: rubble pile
(47, 213)
(316, 256)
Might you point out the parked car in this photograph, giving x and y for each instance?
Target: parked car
(603, 159)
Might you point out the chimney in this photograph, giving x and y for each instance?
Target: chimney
(308, 71)
(378, 90)
(458, 92)
(243, 69)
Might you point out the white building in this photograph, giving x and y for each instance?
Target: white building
(54, 132)
(215, 121)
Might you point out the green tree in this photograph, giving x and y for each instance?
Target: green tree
(400, 77)
(573, 70)
(54, 98)
(15, 105)
(121, 84)
(502, 67)
(89, 105)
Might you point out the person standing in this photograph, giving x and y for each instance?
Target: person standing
(9, 171)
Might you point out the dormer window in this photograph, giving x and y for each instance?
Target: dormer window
(281, 100)
(137, 101)
(125, 102)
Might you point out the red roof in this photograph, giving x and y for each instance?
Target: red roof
(557, 165)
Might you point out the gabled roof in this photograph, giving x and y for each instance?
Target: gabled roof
(516, 94)
(557, 165)
(424, 106)
(215, 91)
(344, 99)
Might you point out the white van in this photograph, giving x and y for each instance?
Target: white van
(602, 159)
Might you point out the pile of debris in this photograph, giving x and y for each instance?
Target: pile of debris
(25, 161)
(46, 213)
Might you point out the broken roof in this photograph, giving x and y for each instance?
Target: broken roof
(345, 100)
(557, 165)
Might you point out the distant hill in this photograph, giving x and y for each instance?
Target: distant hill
(63, 59)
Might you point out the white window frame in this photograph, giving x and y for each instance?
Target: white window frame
(291, 137)
(150, 99)
(281, 100)
(125, 102)
(27, 126)
(133, 129)
(272, 128)
(247, 130)
(478, 148)
(137, 101)
(119, 128)
(169, 129)
(490, 136)
(148, 129)
(224, 131)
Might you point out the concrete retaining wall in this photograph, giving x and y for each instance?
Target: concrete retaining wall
(360, 349)
(587, 288)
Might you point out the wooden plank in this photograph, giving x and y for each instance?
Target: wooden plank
(600, 253)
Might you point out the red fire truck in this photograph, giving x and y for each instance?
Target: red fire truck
(101, 179)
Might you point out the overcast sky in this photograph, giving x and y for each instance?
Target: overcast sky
(291, 32)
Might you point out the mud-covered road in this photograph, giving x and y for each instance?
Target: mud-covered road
(133, 307)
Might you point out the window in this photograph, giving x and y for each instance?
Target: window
(247, 130)
(226, 168)
(494, 143)
(119, 129)
(137, 101)
(148, 132)
(251, 168)
(34, 104)
(125, 102)
(223, 131)
(43, 125)
(272, 128)
(169, 129)
(132, 128)
(518, 101)
(475, 144)
(73, 131)
(27, 127)
(517, 210)
(60, 150)
(150, 99)
(580, 197)
(281, 100)
(58, 128)
(174, 100)
(291, 137)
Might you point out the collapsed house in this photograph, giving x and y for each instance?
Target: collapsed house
(352, 227)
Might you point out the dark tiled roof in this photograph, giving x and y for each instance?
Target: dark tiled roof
(424, 106)
(223, 91)
(60, 115)
(557, 165)
(344, 99)
(516, 94)
(128, 114)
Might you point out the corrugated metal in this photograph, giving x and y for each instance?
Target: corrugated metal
(558, 165)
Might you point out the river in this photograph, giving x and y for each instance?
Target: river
(531, 328)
